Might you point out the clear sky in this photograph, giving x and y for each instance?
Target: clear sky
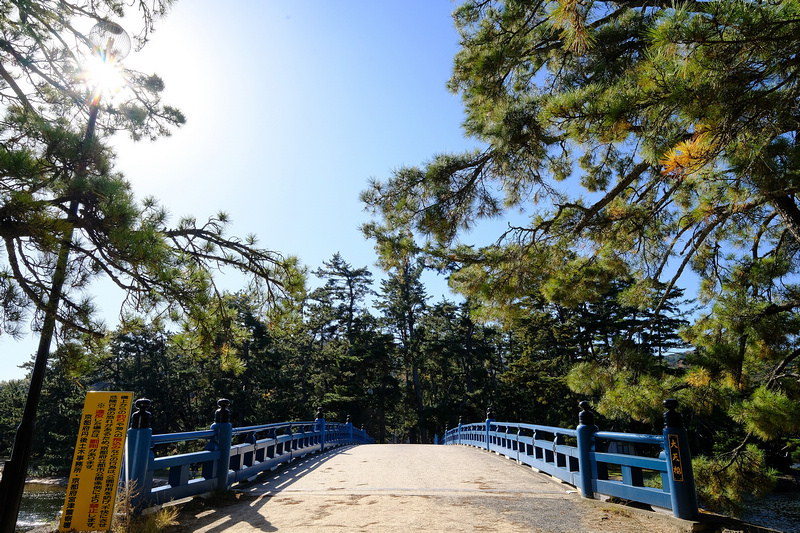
(291, 107)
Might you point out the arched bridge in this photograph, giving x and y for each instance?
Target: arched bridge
(323, 476)
(412, 487)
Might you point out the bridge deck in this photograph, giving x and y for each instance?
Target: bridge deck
(415, 488)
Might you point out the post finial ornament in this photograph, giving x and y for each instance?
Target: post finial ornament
(585, 417)
(222, 415)
(142, 418)
(672, 418)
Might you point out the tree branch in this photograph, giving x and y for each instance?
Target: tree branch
(592, 211)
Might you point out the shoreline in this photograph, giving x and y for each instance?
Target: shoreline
(59, 481)
(53, 481)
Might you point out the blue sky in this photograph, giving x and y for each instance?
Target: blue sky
(291, 107)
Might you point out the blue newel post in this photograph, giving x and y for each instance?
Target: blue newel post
(224, 433)
(585, 433)
(459, 429)
(321, 427)
(680, 476)
(139, 451)
(489, 420)
(350, 427)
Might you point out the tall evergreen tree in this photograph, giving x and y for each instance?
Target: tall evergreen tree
(402, 301)
(346, 286)
(340, 317)
(461, 364)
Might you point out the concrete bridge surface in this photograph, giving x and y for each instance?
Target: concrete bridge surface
(397, 487)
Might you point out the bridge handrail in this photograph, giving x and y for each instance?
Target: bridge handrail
(636, 438)
(275, 425)
(222, 463)
(571, 455)
(167, 438)
(535, 427)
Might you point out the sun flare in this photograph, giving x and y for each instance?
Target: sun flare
(103, 76)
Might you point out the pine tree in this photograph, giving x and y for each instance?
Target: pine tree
(67, 218)
(402, 301)
(650, 138)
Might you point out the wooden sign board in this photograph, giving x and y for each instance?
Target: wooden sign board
(675, 457)
(99, 451)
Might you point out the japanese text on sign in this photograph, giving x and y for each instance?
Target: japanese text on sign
(675, 457)
(92, 486)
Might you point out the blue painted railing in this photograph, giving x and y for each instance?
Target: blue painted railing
(221, 463)
(573, 456)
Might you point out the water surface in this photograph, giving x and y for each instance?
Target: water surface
(779, 511)
(41, 505)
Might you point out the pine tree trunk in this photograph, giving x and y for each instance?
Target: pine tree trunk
(423, 434)
(789, 213)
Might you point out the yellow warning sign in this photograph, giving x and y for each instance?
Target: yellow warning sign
(99, 451)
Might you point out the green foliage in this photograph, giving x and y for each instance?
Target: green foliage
(403, 302)
(723, 480)
(589, 378)
(768, 414)
(60, 409)
(12, 397)
(626, 371)
(457, 359)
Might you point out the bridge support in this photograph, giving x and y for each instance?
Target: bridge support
(586, 464)
(349, 425)
(321, 428)
(489, 420)
(680, 475)
(223, 431)
(139, 453)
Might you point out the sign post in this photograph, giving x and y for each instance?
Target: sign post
(93, 480)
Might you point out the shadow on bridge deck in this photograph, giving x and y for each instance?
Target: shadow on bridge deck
(415, 488)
